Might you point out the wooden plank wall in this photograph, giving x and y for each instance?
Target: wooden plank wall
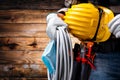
(22, 42)
(31, 4)
(23, 39)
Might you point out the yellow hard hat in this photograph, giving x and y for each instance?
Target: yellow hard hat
(83, 20)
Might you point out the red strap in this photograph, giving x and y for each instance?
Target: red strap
(89, 57)
(84, 60)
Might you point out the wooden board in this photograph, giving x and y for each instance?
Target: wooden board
(23, 78)
(23, 30)
(21, 57)
(23, 43)
(22, 64)
(24, 16)
(31, 4)
(25, 70)
(27, 34)
(24, 27)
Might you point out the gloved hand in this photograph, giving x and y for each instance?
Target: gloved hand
(114, 26)
(53, 21)
(63, 10)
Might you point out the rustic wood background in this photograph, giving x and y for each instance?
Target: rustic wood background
(23, 38)
(31, 4)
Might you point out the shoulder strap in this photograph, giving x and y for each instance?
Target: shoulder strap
(100, 16)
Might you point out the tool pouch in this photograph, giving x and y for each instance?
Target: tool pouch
(83, 61)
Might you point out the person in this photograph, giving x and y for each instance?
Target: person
(106, 39)
(108, 56)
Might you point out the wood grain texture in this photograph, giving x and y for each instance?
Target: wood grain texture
(23, 43)
(25, 27)
(24, 16)
(25, 70)
(31, 4)
(23, 78)
(24, 34)
(21, 57)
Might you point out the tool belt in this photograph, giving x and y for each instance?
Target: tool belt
(83, 61)
(84, 56)
(111, 45)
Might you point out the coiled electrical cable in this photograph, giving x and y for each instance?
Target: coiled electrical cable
(64, 55)
(57, 31)
(68, 49)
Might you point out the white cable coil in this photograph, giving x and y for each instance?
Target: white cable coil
(64, 55)
(57, 30)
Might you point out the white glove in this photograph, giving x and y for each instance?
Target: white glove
(63, 10)
(114, 26)
(53, 21)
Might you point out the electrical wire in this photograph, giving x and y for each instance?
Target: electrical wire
(64, 55)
